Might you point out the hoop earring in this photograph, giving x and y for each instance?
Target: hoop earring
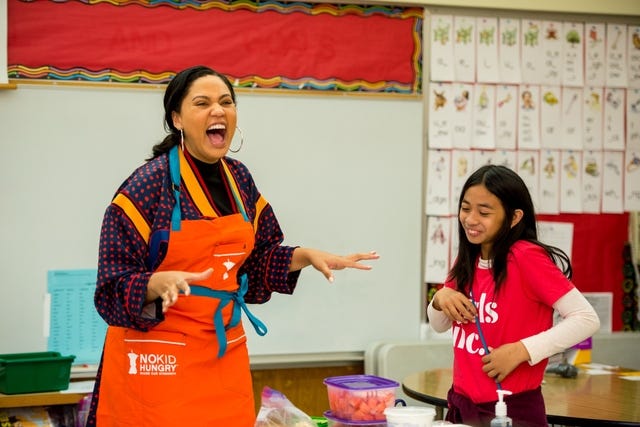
(241, 141)
(182, 140)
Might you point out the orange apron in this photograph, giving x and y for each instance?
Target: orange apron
(193, 368)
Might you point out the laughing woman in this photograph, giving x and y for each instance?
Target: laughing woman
(186, 241)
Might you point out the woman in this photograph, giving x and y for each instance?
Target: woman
(499, 298)
(185, 242)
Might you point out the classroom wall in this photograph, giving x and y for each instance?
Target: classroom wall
(343, 173)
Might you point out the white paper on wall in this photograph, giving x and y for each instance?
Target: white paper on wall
(632, 181)
(633, 119)
(616, 60)
(440, 115)
(461, 167)
(571, 135)
(593, 115)
(552, 46)
(558, 234)
(549, 182)
(528, 167)
(462, 117)
(595, 54)
(487, 70)
(438, 180)
(506, 158)
(613, 124)
(482, 158)
(509, 50)
(437, 251)
(633, 55)
(484, 101)
(571, 181)
(591, 181)
(532, 53)
(464, 48)
(455, 239)
(442, 57)
(506, 116)
(573, 54)
(550, 117)
(612, 193)
(529, 117)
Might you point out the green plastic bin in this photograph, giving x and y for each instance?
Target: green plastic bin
(34, 372)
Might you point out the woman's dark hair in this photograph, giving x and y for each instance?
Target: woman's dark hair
(513, 194)
(176, 90)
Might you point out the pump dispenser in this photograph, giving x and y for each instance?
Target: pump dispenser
(501, 419)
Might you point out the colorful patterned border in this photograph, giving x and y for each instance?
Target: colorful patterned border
(52, 51)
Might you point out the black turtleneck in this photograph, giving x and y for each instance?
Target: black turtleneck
(216, 183)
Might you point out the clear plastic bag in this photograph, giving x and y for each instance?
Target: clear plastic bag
(277, 411)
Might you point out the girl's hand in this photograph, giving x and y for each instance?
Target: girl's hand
(501, 361)
(455, 305)
(168, 284)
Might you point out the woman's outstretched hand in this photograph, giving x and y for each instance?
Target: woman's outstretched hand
(326, 262)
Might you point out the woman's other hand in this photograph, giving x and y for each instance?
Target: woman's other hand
(326, 262)
(167, 285)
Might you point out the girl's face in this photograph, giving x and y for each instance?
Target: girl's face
(482, 216)
(208, 119)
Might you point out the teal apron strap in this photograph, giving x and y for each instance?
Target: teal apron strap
(225, 298)
(174, 169)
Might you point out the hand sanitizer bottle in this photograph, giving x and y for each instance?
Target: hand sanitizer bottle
(501, 419)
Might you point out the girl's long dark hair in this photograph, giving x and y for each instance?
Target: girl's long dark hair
(176, 90)
(513, 194)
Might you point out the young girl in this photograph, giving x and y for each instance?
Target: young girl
(499, 298)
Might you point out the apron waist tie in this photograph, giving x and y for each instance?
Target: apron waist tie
(225, 298)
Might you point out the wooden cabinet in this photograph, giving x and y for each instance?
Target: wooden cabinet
(39, 399)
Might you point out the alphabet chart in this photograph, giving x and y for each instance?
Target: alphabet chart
(73, 325)
(556, 100)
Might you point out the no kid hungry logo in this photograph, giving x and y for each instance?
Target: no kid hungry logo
(152, 363)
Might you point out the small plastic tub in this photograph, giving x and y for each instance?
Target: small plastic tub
(410, 416)
(339, 422)
(34, 372)
(360, 397)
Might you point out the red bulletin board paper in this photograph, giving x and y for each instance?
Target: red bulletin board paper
(597, 254)
(126, 38)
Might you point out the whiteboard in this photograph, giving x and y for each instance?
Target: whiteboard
(343, 174)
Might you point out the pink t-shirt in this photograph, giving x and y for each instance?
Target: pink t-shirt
(522, 308)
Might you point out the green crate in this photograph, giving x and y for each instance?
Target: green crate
(34, 372)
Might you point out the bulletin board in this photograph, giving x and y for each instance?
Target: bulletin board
(555, 97)
(274, 45)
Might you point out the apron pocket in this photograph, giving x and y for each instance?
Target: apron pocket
(156, 361)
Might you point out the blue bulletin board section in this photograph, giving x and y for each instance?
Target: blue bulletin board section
(75, 328)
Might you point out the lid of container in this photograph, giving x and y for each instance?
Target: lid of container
(329, 415)
(360, 382)
(409, 410)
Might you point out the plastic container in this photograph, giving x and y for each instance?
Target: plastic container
(34, 372)
(360, 397)
(320, 421)
(410, 416)
(338, 422)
